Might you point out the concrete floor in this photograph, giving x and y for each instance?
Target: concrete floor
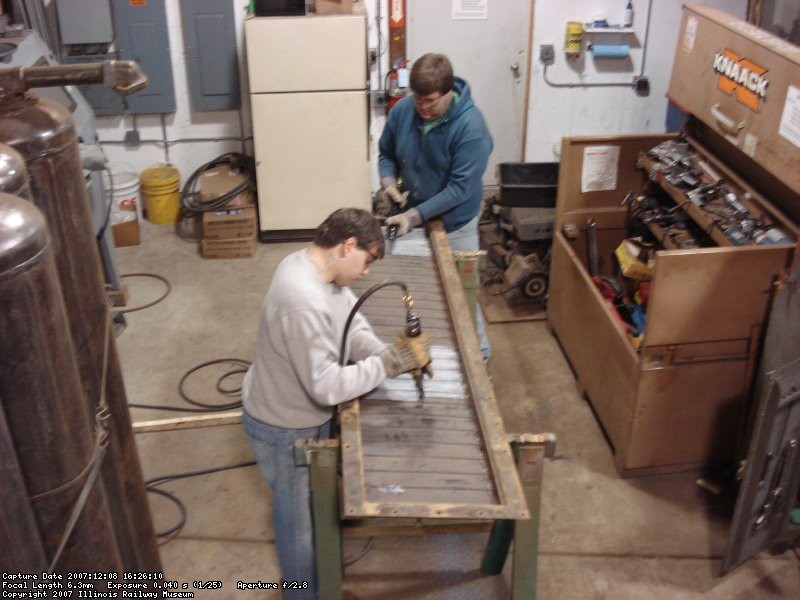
(659, 537)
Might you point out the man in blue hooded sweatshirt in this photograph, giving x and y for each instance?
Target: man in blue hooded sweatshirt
(437, 141)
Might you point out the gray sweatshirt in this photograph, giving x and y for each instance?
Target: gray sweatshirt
(295, 379)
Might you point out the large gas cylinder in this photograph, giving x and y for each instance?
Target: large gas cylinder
(46, 420)
(42, 132)
(13, 173)
(23, 549)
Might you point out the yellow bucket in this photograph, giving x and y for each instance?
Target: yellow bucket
(160, 186)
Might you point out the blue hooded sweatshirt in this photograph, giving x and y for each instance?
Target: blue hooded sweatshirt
(443, 168)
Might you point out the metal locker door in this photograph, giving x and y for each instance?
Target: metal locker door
(770, 485)
(209, 38)
(142, 35)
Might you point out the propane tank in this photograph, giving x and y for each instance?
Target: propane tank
(18, 245)
(42, 402)
(13, 173)
(42, 132)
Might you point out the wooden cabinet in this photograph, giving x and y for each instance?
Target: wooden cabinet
(677, 401)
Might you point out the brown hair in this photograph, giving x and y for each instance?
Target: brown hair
(431, 73)
(345, 223)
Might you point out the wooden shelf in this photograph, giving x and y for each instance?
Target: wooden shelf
(756, 204)
(609, 29)
(662, 237)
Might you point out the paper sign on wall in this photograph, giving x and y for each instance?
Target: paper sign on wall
(470, 9)
(600, 168)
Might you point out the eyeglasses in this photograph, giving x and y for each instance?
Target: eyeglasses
(426, 101)
(372, 257)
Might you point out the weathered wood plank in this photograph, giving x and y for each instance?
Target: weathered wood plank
(410, 451)
(427, 464)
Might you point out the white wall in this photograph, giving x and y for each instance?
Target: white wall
(188, 139)
(554, 112)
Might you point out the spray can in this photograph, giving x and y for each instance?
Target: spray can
(627, 15)
(573, 42)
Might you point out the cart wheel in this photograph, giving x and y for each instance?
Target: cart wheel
(534, 286)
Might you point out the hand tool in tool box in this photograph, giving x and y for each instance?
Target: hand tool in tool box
(673, 220)
(609, 289)
(630, 311)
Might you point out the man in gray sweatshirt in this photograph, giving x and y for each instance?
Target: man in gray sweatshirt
(297, 378)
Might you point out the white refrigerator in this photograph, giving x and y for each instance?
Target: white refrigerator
(310, 106)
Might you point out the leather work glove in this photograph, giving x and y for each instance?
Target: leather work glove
(405, 221)
(396, 195)
(387, 198)
(406, 355)
(421, 347)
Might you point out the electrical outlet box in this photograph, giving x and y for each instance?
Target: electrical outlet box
(546, 52)
(84, 21)
(378, 98)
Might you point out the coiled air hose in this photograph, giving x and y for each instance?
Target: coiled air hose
(358, 304)
(193, 206)
(191, 202)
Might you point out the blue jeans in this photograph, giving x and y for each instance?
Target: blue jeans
(466, 239)
(291, 505)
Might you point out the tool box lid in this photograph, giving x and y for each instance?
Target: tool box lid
(743, 83)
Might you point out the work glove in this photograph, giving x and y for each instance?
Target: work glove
(421, 346)
(407, 355)
(387, 197)
(400, 198)
(405, 221)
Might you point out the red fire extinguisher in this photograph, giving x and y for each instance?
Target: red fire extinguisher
(396, 83)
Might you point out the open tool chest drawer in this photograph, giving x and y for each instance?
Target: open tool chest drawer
(673, 398)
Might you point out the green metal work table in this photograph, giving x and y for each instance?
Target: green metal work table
(444, 459)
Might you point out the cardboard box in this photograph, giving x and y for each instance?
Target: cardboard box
(229, 223)
(741, 81)
(218, 181)
(232, 248)
(334, 7)
(634, 261)
(126, 228)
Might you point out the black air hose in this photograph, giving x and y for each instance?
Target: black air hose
(358, 304)
(191, 204)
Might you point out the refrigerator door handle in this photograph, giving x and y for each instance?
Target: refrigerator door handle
(368, 112)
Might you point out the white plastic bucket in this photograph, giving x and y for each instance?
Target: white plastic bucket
(125, 195)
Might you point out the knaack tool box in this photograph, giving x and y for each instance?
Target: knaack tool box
(719, 204)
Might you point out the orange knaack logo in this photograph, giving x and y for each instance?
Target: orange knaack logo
(742, 78)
